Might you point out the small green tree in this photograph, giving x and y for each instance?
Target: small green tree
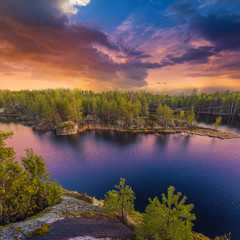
(181, 115)
(171, 219)
(14, 184)
(218, 122)
(47, 193)
(121, 200)
(224, 237)
(190, 117)
(164, 113)
(23, 191)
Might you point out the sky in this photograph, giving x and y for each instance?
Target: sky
(165, 46)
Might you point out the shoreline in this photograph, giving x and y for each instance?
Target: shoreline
(197, 130)
(54, 221)
(200, 131)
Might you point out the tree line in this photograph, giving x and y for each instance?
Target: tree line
(112, 107)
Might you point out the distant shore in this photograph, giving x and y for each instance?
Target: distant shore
(196, 130)
(148, 130)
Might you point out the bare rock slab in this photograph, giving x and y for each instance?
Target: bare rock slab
(74, 228)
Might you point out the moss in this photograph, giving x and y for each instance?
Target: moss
(213, 133)
(2, 228)
(93, 215)
(6, 226)
(17, 230)
(84, 197)
(40, 214)
(41, 231)
(90, 214)
(199, 236)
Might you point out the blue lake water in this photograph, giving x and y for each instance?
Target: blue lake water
(206, 170)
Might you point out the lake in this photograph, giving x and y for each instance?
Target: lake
(206, 170)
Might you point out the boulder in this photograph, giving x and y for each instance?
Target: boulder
(67, 128)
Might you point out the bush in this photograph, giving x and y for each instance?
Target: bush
(26, 190)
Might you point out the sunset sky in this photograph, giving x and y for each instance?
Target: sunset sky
(153, 45)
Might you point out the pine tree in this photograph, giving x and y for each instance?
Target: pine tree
(14, 184)
(164, 113)
(169, 219)
(190, 117)
(218, 122)
(23, 191)
(224, 237)
(121, 200)
(46, 193)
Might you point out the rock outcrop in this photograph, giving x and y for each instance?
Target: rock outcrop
(67, 128)
(70, 219)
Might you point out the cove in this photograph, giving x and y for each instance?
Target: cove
(206, 170)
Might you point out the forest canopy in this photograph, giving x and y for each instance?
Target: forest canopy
(113, 107)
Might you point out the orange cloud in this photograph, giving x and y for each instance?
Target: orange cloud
(40, 47)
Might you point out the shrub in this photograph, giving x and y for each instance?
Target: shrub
(26, 190)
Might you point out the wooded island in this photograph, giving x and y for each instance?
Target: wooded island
(71, 111)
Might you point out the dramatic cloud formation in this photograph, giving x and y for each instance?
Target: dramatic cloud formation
(69, 6)
(221, 30)
(187, 45)
(50, 44)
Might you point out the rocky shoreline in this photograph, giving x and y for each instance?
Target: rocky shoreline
(72, 218)
(72, 213)
(71, 128)
(195, 131)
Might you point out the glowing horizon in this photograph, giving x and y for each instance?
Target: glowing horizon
(151, 45)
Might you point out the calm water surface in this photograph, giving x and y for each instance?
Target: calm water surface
(206, 170)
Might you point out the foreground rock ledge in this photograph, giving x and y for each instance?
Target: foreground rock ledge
(71, 219)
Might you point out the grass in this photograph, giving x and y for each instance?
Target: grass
(84, 197)
(44, 229)
(40, 214)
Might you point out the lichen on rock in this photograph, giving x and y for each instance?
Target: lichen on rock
(68, 208)
(67, 128)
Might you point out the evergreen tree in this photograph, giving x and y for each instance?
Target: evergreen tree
(224, 237)
(14, 184)
(46, 193)
(190, 117)
(181, 116)
(121, 200)
(164, 113)
(23, 191)
(169, 219)
(55, 106)
(218, 122)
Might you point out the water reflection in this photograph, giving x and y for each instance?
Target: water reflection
(162, 139)
(117, 138)
(207, 170)
(72, 140)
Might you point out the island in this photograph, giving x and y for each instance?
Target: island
(68, 112)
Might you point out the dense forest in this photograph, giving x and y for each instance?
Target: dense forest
(123, 109)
